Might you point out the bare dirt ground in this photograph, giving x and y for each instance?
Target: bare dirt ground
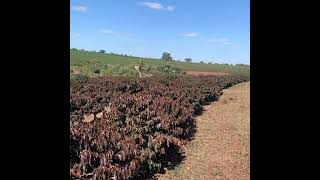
(221, 146)
(196, 73)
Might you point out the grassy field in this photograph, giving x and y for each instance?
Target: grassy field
(81, 58)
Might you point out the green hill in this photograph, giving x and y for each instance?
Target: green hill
(103, 60)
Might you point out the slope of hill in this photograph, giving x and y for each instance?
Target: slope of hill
(78, 57)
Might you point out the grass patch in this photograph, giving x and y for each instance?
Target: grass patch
(175, 171)
(217, 172)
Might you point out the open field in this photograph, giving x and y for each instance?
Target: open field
(79, 58)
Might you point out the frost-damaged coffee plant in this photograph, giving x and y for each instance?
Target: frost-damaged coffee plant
(120, 128)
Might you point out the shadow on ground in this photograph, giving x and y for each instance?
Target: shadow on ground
(175, 155)
(173, 158)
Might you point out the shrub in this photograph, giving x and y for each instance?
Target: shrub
(78, 79)
(144, 67)
(121, 70)
(170, 70)
(96, 71)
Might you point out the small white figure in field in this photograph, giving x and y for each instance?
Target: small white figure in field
(138, 68)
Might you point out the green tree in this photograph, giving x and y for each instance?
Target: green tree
(188, 60)
(166, 56)
(102, 51)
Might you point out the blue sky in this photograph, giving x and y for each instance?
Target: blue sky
(204, 30)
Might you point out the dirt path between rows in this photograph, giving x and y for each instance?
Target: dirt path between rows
(221, 146)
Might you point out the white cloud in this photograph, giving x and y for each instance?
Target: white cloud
(224, 41)
(79, 8)
(192, 34)
(170, 8)
(106, 31)
(157, 6)
(153, 5)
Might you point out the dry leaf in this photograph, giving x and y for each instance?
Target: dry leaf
(107, 109)
(99, 115)
(88, 118)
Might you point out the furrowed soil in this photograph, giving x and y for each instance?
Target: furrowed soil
(221, 146)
